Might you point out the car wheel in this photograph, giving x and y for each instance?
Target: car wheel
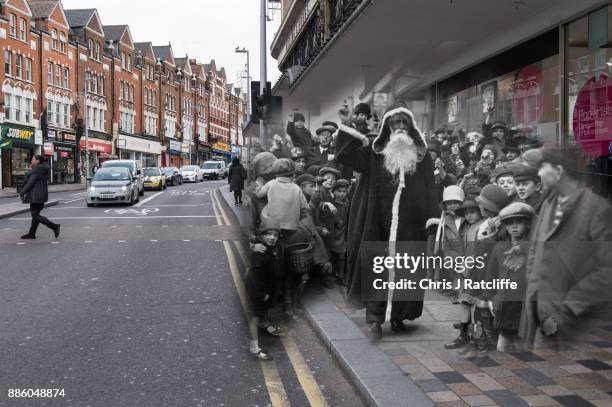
(137, 198)
(90, 205)
(141, 192)
(131, 200)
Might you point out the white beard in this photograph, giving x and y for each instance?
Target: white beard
(400, 154)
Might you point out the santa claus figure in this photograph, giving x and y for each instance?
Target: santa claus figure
(395, 197)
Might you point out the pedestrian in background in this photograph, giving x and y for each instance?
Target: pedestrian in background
(36, 193)
(235, 178)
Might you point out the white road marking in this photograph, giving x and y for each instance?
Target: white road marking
(122, 241)
(153, 240)
(124, 217)
(20, 243)
(88, 241)
(142, 212)
(186, 240)
(54, 242)
(73, 200)
(144, 201)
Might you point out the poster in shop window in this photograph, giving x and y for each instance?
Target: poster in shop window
(489, 96)
(452, 108)
(592, 115)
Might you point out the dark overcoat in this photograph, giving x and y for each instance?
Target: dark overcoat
(35, 186)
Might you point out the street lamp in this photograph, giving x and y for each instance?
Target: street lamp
(246, 51)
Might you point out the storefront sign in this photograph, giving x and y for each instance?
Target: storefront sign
(18, 134)
(174, 147)
(235, 150)
(69, 137)
(592, 117)
(48, 148)
(51, 134)
(98, 146)
(138, 144)
(185, 148)
(64, 154)
(222, 147)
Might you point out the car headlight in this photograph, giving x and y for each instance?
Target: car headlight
(92, 188)
(124, 188)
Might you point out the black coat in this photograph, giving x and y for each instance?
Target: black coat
(36, 184)
(236, 176)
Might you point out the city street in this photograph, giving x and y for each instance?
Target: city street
(138, 306)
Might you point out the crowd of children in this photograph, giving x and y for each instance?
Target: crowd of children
(489, 191)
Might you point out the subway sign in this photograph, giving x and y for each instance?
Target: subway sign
(14, 133)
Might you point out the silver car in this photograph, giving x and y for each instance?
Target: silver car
(113, 185)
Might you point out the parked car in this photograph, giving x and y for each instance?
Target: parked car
(153, 178)
(113, 184)
(191, 173)
(173, 176)
(135, 168)
(214, 169)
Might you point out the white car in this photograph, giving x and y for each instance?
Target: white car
(214, 169)
(191, 173)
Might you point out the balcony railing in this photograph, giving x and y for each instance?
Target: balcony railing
(340, 11)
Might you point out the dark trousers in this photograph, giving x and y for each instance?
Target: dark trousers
(35, 209)
(238, 195)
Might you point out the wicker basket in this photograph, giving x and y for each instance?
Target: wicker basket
(299, 257)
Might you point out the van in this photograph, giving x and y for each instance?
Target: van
(134, 166)
(214, 169)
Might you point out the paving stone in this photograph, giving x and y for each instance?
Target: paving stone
(573, 383)
(442, 396)
(573, 369)
(558, 360)
(457, 403)
(602, 344)
(418, 351)
(602, 403)
(416, 372)
(573, 401)
(547, 369)
(431, 385)
(540, 401)
(364, 359)
(484, 361)
(465, 367)
(483, 382)
(596, 380)
(398, 351)
(479, 400)
(451, 377)
(336, 326)
(464, 389)
(506, 398)
(498, 371)
(555, 390)
(527, 356)
(593, 394)
(533, 377)
(435, 364)
(606, 373)
(518, 386)
(574, 355)
(404, 359)
(513, 364)
(595, 364)
(395, 391)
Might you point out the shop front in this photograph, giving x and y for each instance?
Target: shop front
(148, 152)
(236, 150)
(172, 156)
(99, 151)
(60, 147)
(202, 152)
(18, 144)
(221, 151)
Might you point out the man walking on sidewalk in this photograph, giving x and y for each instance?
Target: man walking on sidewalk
(36, 193)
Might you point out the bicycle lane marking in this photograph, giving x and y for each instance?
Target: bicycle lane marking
(274, 383)
(144, 201)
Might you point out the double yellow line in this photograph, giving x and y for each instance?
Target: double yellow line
(274, 383)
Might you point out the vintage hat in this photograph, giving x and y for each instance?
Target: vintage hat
(502, 171)
(327, 126)
(263, 163)
(363, 108)
(283, 167)
(499, 125)
(532, 158)
(525, 173)
(493, 198)
(298, 117)
(305, 178)
(266, 223)
(326, 170)
(313, 170)
(467, 203)
(297, 152)
(516, 210)
(434, 145)
(341, 183)
(453, 193)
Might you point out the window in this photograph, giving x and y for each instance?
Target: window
(132, 92)
(62, 39)
(58, 75)
(49, 73)
(18, 108)
(123, 60)
(66, 78)
(8, 111)
(58, 112)
(129, 63)
(28, 69)
(54, 39)
(91, 49)
(50, 114)
(29, 110)
(19, 66)
(13, 23)
(120, 89)
(8, 63)
(101, 84)
(22, 29)
(98, 51)
(66, 115)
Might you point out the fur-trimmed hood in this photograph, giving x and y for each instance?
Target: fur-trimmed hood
(379, 143)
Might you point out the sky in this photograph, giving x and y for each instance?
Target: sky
(202, 29)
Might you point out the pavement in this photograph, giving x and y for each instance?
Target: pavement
(413, 368)
(142, 306)
(12, 192)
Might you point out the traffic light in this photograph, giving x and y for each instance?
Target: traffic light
(258, 101)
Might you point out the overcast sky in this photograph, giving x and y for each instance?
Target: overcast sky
(202, 29)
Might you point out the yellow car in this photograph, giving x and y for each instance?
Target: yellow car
(153, 178)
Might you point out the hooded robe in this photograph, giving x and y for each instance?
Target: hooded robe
(371, 212)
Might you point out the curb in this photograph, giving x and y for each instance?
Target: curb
(25, 209)
(377, 380)
(16, 195)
